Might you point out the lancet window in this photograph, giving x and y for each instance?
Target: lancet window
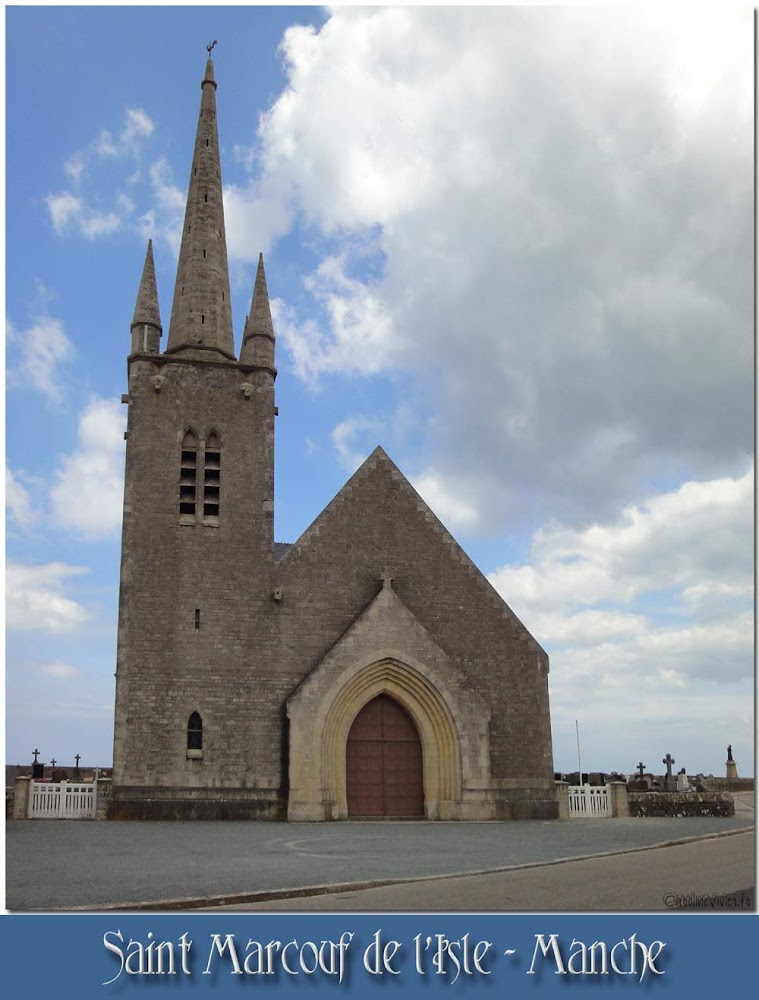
(195, 735)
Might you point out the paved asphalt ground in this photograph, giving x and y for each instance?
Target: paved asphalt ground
(701, 875)
(58, 865)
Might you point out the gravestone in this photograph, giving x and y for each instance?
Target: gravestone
(575, 778)
(670, 783)
(38, 770)
(682, 781)
(642, 781)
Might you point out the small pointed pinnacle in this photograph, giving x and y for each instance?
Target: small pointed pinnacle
(146, 309)
(258, 338)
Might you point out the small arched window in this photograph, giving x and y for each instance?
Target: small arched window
(188, 474)
(195, 735)
(212, 477)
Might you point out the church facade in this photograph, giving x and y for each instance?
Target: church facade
(369, 669)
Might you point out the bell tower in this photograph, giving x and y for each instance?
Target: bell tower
(197, 536)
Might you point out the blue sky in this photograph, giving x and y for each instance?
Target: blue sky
(512, 246)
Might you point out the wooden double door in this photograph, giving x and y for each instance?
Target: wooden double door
(384, 767)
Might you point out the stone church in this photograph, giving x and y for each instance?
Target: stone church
(366, 670)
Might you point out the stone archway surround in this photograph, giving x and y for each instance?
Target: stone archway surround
(388, 651)
(433, 720)
(454, 744)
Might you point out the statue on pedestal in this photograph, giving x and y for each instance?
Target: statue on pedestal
(731, 768)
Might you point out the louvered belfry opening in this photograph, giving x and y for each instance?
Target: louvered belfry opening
(188, 475)
(212, 477)
(384, 764)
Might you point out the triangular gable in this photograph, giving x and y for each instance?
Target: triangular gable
(380, 462)
(385, 629)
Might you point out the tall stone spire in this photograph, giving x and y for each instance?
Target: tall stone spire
(201, 316)
(258, 338)
(146, 322)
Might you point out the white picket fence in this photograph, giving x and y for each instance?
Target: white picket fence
(589, 801)
(62, 800)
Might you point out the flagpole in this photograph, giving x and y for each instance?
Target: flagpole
(579, 764)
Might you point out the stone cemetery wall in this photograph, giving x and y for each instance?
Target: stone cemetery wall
(646, 804)
(729, 784)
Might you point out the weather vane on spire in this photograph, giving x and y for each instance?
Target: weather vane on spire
(209, 48)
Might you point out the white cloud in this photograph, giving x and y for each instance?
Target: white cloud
(585, 629)
(254, 220)
(357, 335)
(719, 651)
(565, 238)
(137, 125)
(75, 166)
(35, 599)
(105, 145)
(356, 119)
(60, 671)
(693, 539)
(43, 349)
(17, 501)
(453, 510)
(356, 437)
(164, 220)
(88, 493)
(630, 720)
(64, 209)
(99, 224)
(125, 204)
(69, 212)
(649, 625)
(343, 439)
(81, 212)
(652, 605)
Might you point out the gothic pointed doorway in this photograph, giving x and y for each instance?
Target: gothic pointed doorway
(383, 762)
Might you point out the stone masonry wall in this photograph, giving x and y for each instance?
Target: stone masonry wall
(251, 651)
(377, 524)
(642, 804)
(729, 784)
